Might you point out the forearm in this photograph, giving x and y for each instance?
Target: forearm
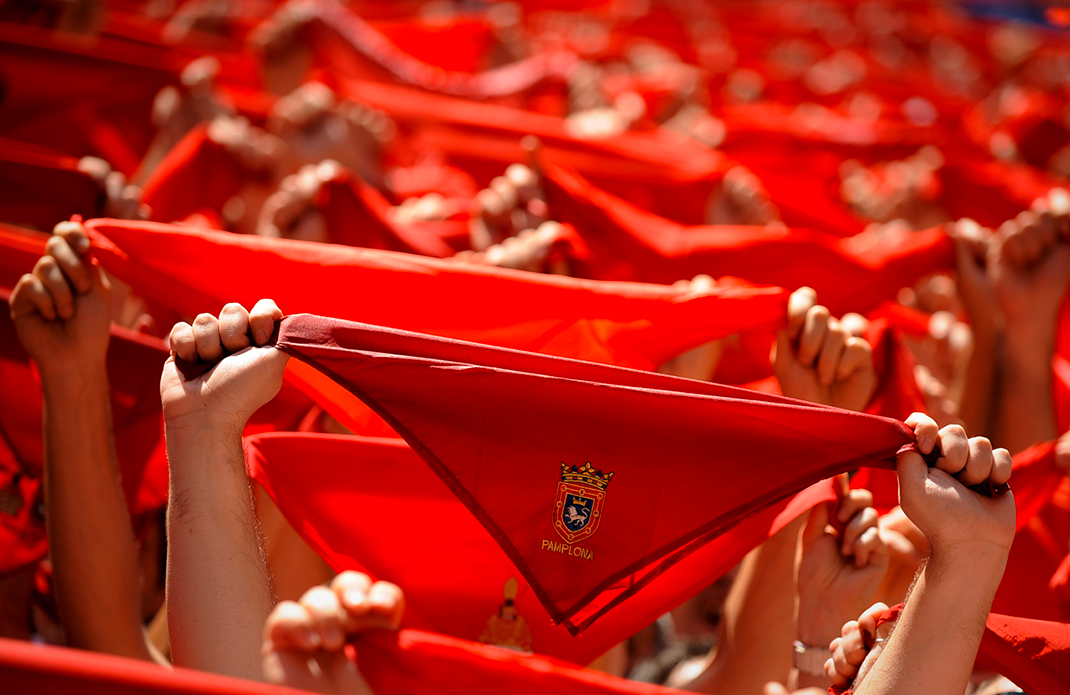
(1026, 412)
(976, 398)
(757, 632)
(218, 590)
(935, 641)
(94, 552)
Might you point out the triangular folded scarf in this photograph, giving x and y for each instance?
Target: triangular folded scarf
(1034, 654)
(405, 663)
(337, 491)
(543, 450)
(628, 243)
(641, 326)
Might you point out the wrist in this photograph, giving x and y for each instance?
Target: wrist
(975, 563)
(61, 382)
(818, 628)
(1029, 340)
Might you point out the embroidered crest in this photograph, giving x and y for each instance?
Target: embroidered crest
(581, 495)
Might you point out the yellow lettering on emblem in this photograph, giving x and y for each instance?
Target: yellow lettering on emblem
(566, 549)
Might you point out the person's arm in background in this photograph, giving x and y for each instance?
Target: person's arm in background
(838, 574)
(977, 402)
(61, 313)
(1030, 271)
(934, 644)
(816, 360)
(218, 587)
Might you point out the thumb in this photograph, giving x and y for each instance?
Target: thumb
(912, 472)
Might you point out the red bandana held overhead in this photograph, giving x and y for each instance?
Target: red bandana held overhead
(582, 440)
(338, 491)
(641, 326)
(627, 243)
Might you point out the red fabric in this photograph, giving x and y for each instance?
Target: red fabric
(627, 243)
(19, 250)
(39, 188)
(26, 667)
(631, 324)
(134, 365)
(337, 491)
(1035, 555)
(197, 174)
(81, 97)
(347, 44)
(1034, 654)
(670, 177)
(356, 214)
(405, 663)
(492, 422)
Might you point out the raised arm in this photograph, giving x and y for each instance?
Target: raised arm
(218, 589)
(61, 313)
(1031, 273)
(935, 640)
(816, 360)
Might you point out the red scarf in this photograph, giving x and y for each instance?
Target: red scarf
(358, 500)
(580, 440)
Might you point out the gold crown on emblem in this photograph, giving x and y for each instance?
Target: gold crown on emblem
(586, 475)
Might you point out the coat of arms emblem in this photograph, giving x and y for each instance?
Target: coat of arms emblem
(581, 495)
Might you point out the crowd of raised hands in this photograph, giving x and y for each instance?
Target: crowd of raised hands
(843, 597)
(823, 582)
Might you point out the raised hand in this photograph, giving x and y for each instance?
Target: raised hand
(1031, 263)
(818, 360)
(856, 644)
(509, 205)
(304, 641)
(839, 571)
(938, 500)
(243, 375)
(61, 310)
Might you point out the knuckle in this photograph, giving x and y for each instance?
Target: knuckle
(45, 264)
(203, 320)
(954, 431)
(55, 245)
